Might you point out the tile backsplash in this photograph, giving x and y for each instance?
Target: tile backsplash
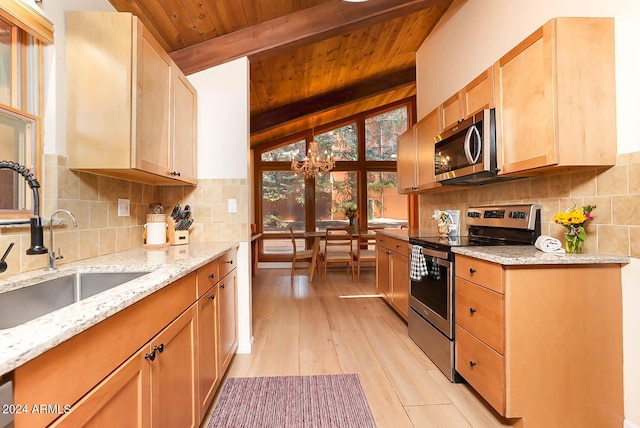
(616, 192)
(93, 199)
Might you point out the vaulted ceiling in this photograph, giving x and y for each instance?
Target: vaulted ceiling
(312, 61)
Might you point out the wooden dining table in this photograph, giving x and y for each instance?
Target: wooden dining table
(319, 236)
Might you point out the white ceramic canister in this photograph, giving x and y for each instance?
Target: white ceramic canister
(156, 229)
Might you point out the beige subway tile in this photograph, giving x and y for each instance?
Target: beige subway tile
(613, 240)
(522, 189)
(88, 186)
(113, 220)
(583, 183)
(108, 240)
(50, 182)
(220, 214)
(202, 213)
(67, 184)
(560, 185)
(123, 189)
(613, 181)
(106, 189)
(65, 243)
(81, 211)
(628, 158)
(136, 236)
(603, 214)
(634, 236)
(88, 244)
(626, 210)
(173, 195)
(136, 193)
(634, 179)
(123, 238)
(539, 187)
(99, 215)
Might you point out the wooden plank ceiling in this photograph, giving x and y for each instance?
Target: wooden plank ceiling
(312, 61)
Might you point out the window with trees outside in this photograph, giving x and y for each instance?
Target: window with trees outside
(364, 178)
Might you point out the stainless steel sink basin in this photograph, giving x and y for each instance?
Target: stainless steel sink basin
(27, 303)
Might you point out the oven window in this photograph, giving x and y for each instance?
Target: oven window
(432, 290)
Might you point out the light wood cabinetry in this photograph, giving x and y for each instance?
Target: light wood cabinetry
(474, 97)
(452, 111)
(392, 272)
(131, 111)
(155, 363)
(538, 342)
(556, 98)
(415, 156)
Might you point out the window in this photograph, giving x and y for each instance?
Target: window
(364, 177)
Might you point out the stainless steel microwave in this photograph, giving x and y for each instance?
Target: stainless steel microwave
(466, 153)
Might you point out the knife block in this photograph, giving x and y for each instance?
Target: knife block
(177, 237)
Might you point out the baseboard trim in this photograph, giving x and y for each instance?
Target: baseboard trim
(245, 348)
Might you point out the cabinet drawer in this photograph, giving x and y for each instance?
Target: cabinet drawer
(482, 367)
(393, 244)
(208, 276)
(480, 311)
(227, 262)
(480, 272)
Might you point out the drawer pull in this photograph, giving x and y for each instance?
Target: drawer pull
(222, 286)
(212, 275)
(213, 296)
(473, 310)
(151, 356)
(159, 348)
(472, 271)
(473, 363)
(229, 261)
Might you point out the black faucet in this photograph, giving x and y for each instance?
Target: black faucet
(37, 239)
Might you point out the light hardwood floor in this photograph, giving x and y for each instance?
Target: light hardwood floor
(341, 327)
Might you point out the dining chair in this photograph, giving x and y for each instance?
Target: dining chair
(338, 248)
(298, 255)
(365, 250)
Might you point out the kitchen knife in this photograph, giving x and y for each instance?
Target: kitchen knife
(175, 212)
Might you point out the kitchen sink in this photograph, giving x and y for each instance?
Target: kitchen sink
(27, 303)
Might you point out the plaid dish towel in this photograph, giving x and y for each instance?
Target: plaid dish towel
(418, 267)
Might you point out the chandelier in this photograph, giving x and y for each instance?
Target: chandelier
(313, 164)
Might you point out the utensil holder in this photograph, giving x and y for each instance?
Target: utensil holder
(177, 237)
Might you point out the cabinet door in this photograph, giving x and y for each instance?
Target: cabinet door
(406, 165)
(452, 111)
(121, 400)
(383, 281)
(174, 374)
(184, 127)
(227, 321)
(399, 266)
(479, 95)
(525, 116)
(427, 132)
(209, 375)
(153, 100)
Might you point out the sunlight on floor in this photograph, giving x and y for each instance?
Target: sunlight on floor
(359, 296)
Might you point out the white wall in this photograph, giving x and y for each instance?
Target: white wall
(477, 34)
(223, 120)
(223, 152)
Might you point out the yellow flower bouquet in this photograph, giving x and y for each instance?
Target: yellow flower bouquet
(574, 220)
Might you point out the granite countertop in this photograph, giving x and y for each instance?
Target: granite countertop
(403, 234)
(26, 341)
(513, 255)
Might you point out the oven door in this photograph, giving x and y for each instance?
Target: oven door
(432, 296)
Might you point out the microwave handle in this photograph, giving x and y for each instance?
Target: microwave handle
(472, 158)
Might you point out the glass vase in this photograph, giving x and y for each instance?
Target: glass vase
(573, 244)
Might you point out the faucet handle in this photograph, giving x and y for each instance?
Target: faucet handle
(58, 255)
(3, 264)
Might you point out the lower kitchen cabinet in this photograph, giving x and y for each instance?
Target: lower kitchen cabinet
(392, 272)
(155, 363)
(542, 342)
(153, 388)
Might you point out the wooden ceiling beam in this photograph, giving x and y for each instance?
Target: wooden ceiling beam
(297, 29)
(323, 102)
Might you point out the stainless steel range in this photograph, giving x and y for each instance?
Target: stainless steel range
(432, 271)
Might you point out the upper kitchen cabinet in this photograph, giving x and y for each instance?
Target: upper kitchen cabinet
(415, 155)
(474, 97)
(556, 98)
(131, 112)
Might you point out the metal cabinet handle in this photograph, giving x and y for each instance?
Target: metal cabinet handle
(473, 363)
(159, 348)
(213, 296)
(473, 310)
(151, 356)
(175, 173)
(472, 271)
(222, 286)
(229, 261)
(212, 275)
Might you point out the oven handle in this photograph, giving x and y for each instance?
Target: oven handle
(431, 253)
